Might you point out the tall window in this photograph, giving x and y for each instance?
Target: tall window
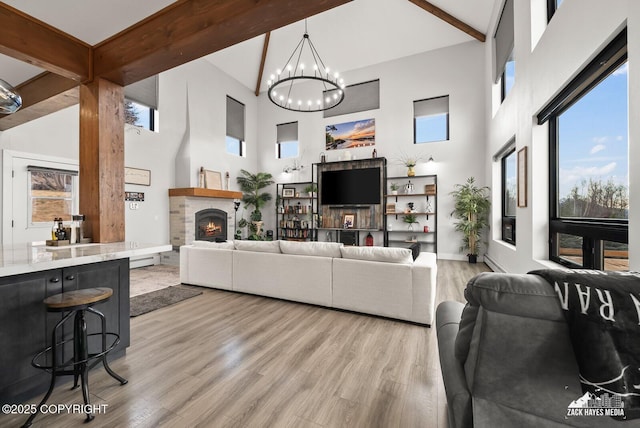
(52, 194)
(589, 164)
(431, 120)
(504, 66)
(141, 104)
(235, 128)
(509, 181)
(140, 115)
(552, 6)
(287, 140)
(508, 77)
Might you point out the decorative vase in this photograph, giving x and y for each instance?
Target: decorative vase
(410, 227)
(258, 225)
(410, 171)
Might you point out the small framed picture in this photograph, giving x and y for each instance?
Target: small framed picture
(288, 192)
(348, 221)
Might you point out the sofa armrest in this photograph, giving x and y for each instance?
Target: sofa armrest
(424, 273)
(458, 396)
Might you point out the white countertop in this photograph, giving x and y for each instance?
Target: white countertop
(25, 258)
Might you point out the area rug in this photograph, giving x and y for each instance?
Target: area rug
(148, 302)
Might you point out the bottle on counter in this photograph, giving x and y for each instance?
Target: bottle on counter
(61, 234)
(54, 229)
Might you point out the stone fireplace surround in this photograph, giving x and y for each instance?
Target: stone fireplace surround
(184, 203)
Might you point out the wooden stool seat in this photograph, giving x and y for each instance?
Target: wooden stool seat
(77, 298)
(76, 304)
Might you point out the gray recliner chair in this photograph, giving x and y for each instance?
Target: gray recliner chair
(506, 356)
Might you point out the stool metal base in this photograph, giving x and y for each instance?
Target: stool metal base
(82, 361)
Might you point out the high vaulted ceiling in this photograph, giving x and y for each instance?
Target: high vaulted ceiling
(351, 36)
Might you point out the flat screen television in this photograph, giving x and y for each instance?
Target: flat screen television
(350, 187)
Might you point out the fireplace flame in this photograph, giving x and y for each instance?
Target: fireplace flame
(211, 229)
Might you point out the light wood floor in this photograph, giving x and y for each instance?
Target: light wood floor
(224, 359)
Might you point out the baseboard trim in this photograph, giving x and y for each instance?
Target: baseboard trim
(493, 265)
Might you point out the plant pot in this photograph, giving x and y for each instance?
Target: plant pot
(258, 225)
(394, 192)
(473, 258)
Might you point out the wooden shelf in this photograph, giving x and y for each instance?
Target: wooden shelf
(390, 195)
(412, 231)
(205, 193)
(416, 213)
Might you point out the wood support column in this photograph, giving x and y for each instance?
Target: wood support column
(102, 160)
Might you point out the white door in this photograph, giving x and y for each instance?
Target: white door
(41, 191)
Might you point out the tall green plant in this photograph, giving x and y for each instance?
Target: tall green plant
(251, 186)
(471, 209)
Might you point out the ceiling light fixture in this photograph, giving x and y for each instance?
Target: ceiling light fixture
(327, 86)
(10, 100)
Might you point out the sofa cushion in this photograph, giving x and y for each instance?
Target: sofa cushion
(224, 245)
(258, 246)
(320, 249)
(378, 254)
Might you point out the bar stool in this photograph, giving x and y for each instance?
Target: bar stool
(76, 303)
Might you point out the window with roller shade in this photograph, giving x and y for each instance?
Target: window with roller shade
(141, 104)
(235, 128)
(504, 65)
(287, 140)
(357, 97)
(431, 120)
(588, 164)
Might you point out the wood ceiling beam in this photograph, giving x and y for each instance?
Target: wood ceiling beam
(25, 38)
(265, 47)
(450, 19)
(190, 29)
(44, 94)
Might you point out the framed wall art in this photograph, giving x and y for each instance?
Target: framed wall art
(137, 176)
(360, 133)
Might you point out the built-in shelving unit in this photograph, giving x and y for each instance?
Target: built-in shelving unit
(368, 217)
(295, 212)
(419, 192)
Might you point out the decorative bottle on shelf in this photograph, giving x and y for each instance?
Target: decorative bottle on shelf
(368, 241)
(201, 177)
(408, 188)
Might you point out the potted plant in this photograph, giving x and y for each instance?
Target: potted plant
(394, 188)
(311, 190)
(251, 186)
(410, 219)
(471, 209)
(410, 161)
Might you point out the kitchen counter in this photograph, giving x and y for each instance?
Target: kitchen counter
(25, 258)
(29, 274)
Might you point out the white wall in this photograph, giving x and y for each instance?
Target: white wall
(577, 32)
(57, 135)
(456, 71)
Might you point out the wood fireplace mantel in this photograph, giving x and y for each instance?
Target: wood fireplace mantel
(205, 193)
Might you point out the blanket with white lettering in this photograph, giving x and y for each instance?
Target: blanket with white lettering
(603, 313)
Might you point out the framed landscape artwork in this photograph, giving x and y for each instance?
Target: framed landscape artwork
(360, 133)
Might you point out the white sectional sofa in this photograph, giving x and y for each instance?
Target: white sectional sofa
(373, 280)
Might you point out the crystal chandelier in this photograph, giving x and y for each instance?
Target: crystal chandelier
(324, 89)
